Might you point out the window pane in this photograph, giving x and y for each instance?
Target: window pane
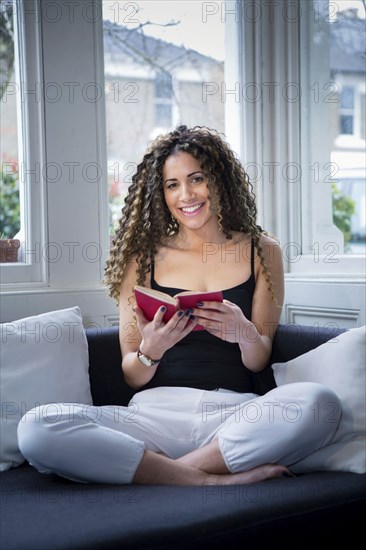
(159, 58)
(334, 70)
(347, 98)
(10, 216)
(347, 72)
(349, 212)
(346, 122)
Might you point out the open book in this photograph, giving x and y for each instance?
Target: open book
(149, 300)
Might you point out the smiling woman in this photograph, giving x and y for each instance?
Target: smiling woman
(189, 191)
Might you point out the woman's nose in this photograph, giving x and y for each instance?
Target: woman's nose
(186, 192)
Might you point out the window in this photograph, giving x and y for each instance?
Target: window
(297, 57)
(336, 65)
(347, 72)
(163, 100)
(10, 132)
(22, 153)
(164, 65)
(346, 110)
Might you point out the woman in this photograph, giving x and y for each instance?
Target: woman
(189, 222)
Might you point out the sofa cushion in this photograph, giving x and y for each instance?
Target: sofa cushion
(340, 365)
(44, 359)
(108, 386)
(290, 341)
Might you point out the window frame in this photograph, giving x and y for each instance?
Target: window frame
(279, 134)
(31, 270)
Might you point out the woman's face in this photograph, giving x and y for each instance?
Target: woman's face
(185, 190)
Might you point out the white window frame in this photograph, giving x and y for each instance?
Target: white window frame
(31, 270)
(277, 136)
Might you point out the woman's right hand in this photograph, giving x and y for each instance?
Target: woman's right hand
(156, 336)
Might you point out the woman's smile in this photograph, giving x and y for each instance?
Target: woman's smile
(192, 210)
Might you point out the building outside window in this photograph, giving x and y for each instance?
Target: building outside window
(156, 70)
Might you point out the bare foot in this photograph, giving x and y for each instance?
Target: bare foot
(260, 473)
(155, 469)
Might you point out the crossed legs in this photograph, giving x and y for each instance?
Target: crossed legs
(203, 466)
(289, 423)
(87, 443)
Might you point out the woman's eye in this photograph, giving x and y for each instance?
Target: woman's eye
(197, 179)
(171, 186)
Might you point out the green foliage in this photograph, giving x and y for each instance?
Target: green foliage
(343, 209)
(6, 44)
(9, 204)
(9, 183)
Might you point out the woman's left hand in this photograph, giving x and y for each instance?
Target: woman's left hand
(223, 319)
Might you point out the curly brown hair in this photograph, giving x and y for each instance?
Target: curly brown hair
(146, 219)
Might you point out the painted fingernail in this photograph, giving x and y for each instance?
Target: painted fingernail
(162, 309)
(180, 313)
(199, 304)
(188, 312)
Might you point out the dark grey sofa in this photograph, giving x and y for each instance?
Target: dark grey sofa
(41, 512)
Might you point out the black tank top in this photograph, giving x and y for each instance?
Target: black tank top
(202, 360)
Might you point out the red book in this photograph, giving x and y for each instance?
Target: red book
(149, 300)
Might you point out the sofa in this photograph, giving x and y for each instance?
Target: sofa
(47, 512)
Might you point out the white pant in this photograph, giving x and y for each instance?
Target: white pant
(105, 444)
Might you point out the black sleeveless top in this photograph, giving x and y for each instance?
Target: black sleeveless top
(202, 360)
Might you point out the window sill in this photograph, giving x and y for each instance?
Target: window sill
(325, 268)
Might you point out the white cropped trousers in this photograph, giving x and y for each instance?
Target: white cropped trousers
(105, 444)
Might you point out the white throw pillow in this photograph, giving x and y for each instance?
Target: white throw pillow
(44, 359)
(339, 364)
